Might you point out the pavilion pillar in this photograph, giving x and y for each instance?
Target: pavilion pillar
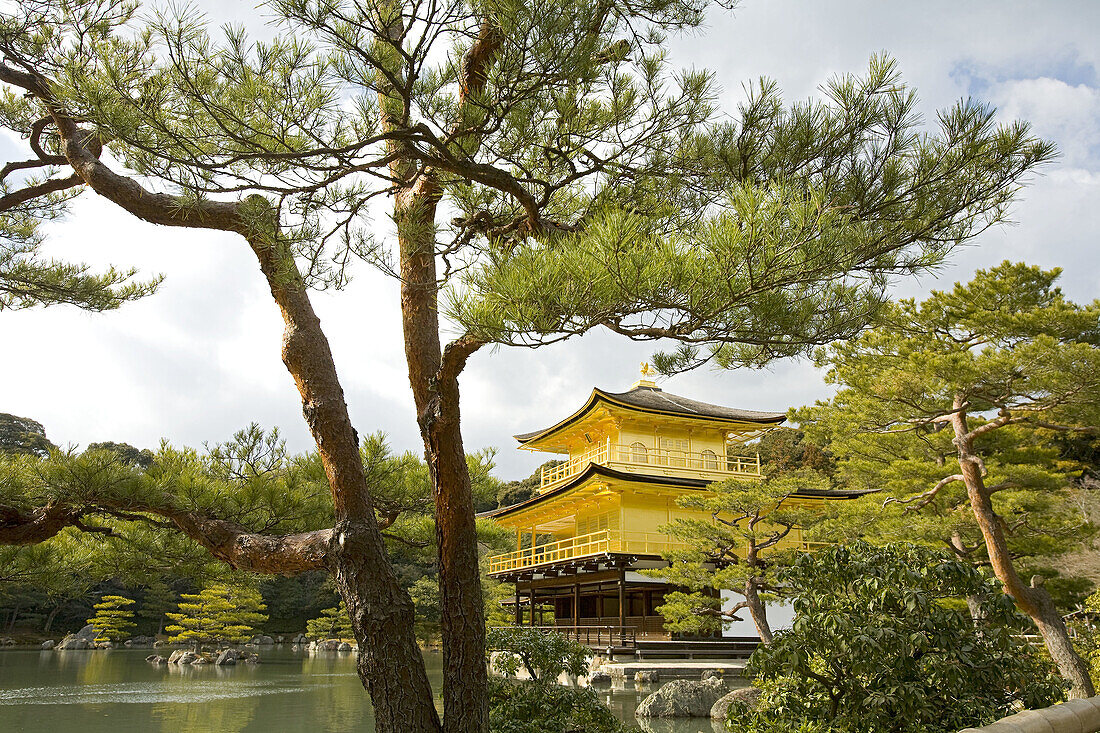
(622, 605)
(517, 610)
(533, 602)
(577, 603)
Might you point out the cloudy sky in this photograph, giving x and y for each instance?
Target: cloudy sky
(201, 358)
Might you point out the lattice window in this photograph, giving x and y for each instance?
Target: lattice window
(676, 450)
(710, 460)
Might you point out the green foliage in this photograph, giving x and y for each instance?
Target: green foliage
(594, 184)
(249, 480)
(543, 655)
(787, 449)
(540, 705)
(532, 707)
(1086, 625)
(28, 279)
(425, 596)
(753, 528)
(880, 645)
(514, 492)
(113, 619)
(23, 436)
(128, 454)
(813, 215)
(221, 613)
(333, 623)
(1017, 361)
(159, 599)
(295, 600)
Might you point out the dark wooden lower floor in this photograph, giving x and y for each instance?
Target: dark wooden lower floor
(609, 594)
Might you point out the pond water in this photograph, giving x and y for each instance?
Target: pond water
(117, 691)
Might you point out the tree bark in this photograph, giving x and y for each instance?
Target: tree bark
(49, 619)
(390, 662)
(758, 611)
(14, 615)
(433, 375)
(1033, 600)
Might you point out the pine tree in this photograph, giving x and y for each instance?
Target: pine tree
(947, 406)
(159, 600)
(752, 529)
(113, 619)
(221, 613)
(333, 623)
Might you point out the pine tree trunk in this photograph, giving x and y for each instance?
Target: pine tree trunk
(390, 663)
(50, 619)
(758, 611)
(434, 380)
(14, 615)
(1032, 600)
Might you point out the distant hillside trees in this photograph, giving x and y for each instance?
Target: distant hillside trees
(23, 436)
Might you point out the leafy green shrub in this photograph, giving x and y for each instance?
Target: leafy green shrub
(539, 707)
(544, 655)
(877, 647)
(1087, 635)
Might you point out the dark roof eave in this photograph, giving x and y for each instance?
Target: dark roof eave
(594, 469)
(645, 399)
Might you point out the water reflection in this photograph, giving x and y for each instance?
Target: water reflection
(292, 691)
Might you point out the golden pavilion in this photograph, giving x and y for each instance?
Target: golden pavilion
(596, 518)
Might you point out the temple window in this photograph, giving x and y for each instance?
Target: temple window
(710, 460)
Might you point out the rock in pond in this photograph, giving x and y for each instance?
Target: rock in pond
(48, 644)
(647, 676)
(140, 642)
(227, 658)
(182, 656)
(262, 640)
(156, 659)
(83, 639)
(683, 699)
(750, 696)
(599, 677)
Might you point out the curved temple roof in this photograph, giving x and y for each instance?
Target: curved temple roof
(597, 471)
(654, 400)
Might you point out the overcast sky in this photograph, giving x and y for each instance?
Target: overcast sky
(201, 358)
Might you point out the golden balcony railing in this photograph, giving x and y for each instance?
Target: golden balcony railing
(587, 545)
(705, 464)
(605, 541)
